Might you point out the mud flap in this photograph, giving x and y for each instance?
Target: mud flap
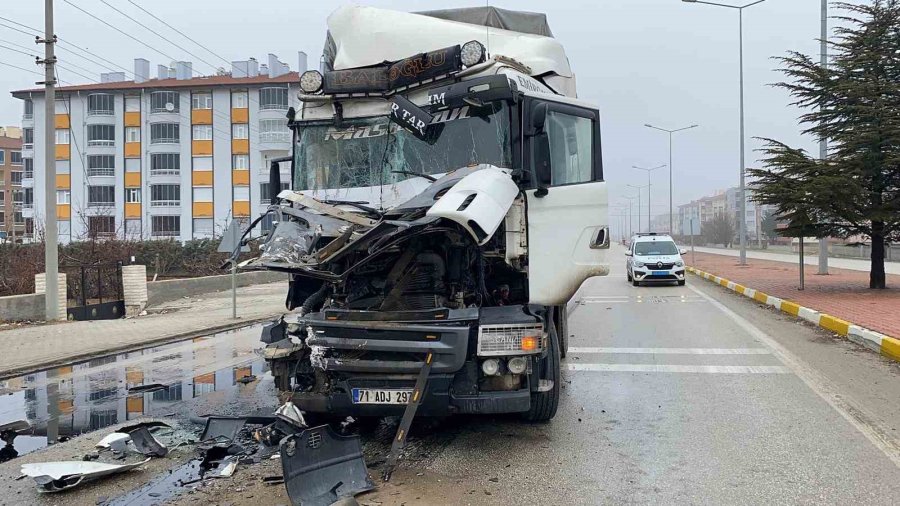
(321, 466)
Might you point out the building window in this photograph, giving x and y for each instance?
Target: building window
(2, 157)
(165, 195)
(203, 163)
(240, 131)
(203, 227)
(264, 192)
(28, 198)
(132, 165)
(133, 104)
(29, 109)
(132, 195)
(29, 168)
(132, 134)
(2, 218)
(274, 130)
(101, 196)
(202, 132)
(15, 177)
(239, 100)
(273, 98)
(203, 194)
(165, 164)
(101, 165)
(240, 162)
(165, 226)
(27, 138)
(15, 158)
(63, 197)
(101, 226)
(100, 104)
(18, 219)
(2, 198)
(164, 133)
(201, 101)
(164, 101)
(101, 135)
(241, 193)
(62, 136)
(133, 229)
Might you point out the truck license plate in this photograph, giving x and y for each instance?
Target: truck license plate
(380, 396)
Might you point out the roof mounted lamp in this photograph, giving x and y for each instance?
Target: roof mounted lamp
(472, 53)
(311, 81)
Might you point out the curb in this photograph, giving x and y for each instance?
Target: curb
(875, 341)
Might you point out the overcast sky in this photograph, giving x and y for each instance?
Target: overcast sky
(642, 61)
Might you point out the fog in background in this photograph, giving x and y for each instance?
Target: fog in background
(642, 61)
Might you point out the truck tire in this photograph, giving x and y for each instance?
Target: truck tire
(562, 329)
(544, 404)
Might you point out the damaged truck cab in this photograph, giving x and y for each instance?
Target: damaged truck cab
(445, 206)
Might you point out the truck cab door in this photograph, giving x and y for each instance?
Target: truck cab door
(568, 234)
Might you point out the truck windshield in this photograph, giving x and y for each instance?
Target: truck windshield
(367, 151)
(652, 248)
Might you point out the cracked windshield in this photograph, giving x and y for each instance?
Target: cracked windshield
(375, 151)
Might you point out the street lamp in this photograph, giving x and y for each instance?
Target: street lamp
(639, 188)
(743, 206)
(670, 132)
(631, 213)
(648, 170)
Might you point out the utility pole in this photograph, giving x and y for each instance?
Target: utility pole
(51, 259)
(648, 170)
(670, 132)
(823, 143)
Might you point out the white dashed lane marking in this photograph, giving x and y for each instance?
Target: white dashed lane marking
(576, 350)
(695, 369)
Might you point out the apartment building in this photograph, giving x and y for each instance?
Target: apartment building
(174, 156)
(12, 195)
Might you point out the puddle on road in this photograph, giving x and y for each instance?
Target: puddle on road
(200, 376)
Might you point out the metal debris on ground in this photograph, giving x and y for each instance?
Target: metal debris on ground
(321, 466)
(146, 444)
(111, 439)
(289, 412)
(222, 428)
(59, 476)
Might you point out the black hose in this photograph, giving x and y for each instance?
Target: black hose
(314, 300)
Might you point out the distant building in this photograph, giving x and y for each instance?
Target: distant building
(12, 195)
(175, 156)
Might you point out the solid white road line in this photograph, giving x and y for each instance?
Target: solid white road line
(819, 384)
(672, 351)
(701, 369)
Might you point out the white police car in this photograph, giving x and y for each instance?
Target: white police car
(654, 258)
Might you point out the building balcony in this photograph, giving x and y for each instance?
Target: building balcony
(101, 172)
(165, 203)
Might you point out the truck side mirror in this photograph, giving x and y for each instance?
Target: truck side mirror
(274, 181)
(540, 150)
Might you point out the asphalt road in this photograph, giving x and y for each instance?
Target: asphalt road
(671, 395)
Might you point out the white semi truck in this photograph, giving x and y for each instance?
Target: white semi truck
(447, 200)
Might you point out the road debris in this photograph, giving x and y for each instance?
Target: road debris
(59, 476)
(111, 439)
(146, 444)
(321, 466)
(222, 428)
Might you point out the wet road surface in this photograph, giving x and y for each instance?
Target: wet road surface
(671, 395)
(181, 380)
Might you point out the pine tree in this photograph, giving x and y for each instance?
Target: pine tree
(854, 104)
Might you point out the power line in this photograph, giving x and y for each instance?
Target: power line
(156, 33)
(33, 29)
(210, 51)
(21, 68)
(120, 31)
(36, 56)
(16, 29)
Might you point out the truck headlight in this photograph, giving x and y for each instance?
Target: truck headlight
(513, 339)
(311, 81)
(517, 365)
(472, 53)
(490, 367)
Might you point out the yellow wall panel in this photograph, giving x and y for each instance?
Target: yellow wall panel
(203, 209)
(201, 117)
(132, 150)
(202, 178)
(62, 121)
(240, 115)
(63, 211)
(201, 148)
(63, 182)
(62, 151)
(132, 179)
(240, 146)
(133, 119)
(240, 209)
(240, 177)
(132, 209)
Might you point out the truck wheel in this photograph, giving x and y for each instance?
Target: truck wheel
(562, 329)
(544, 404)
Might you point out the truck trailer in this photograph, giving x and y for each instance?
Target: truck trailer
(446, 201)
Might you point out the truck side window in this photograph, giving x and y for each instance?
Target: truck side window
(571, 148)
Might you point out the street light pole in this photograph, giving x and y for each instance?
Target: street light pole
(648, 170)
(823, 143)
(639, 188)
(743, 206)
(670, 132)
(631, 214)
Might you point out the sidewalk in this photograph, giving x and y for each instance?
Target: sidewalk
(843, 293)
(809, 259)
(33, 347)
